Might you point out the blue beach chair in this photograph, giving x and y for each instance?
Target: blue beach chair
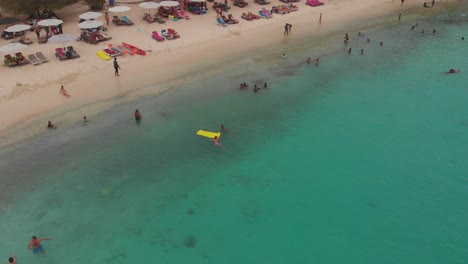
(221, 22)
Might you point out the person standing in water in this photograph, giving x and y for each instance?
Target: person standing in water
(138, 116)
(308, 60)
(35, 245)
(85, 121)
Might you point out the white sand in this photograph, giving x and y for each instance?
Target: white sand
(203, 44)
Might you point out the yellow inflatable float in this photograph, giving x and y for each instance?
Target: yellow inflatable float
(103, 55)
(208, 134)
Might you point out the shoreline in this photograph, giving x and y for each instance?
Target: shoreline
(135, 83)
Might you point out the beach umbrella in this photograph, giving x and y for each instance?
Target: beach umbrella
(169, 3)
(50, 22)
(119, 9)
(12, 47)
(88, 24)
(90, 15)
(149, 5)
(197, 1)
(18, 28)
(62, 39)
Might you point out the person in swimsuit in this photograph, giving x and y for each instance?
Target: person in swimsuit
(12, 259)
(138, 116)
(216, 141)
(35, 245)
(64, 92)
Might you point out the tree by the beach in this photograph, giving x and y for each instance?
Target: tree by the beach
(31, 7)
(95, 4)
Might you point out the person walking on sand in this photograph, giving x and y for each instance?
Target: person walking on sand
(432, 3)
(402, 2)
(138, 116)
(106, 17)
(290, 28)
(35, 244)
(64, 92)
(286, 29)
(116, 67)
(320, 19)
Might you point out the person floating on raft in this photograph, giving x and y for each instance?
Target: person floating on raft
(453, 71)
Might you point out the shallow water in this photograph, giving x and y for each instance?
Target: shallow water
(359, 160)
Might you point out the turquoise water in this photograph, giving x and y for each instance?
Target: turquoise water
(360, 160)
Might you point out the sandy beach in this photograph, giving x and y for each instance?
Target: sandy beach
(29, 95)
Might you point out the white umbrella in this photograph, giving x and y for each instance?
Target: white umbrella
(12, 47)
(119, 9)
(149, 5)
(90, 15)
(18, 28)
(197, 0)
(88, 24)
(169, 3)
(50, 22)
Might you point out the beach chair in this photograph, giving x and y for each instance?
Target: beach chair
(21, 59)
(174, 33)
(127, 21)
(314, 3)
(183, 14)
(10, 61)
(166, 34)
(73, 52)
(157, 37)
(60, 54)
(221, 22)
(41, 57)
(33, 59)
(232, 19)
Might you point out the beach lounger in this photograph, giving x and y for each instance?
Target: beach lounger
(33, 59)
(262, 2)
(232, 20)
(183, 14)
(60, 54)
(21, 59)
(314, 3)
(10, 61)
(157, 37)
(221, 22)
(41, 57)
(127, 21)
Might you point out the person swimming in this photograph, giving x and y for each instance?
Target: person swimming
(35, 245)
(256, 89)
(454, 71)
(138, 116)
(216, 141)
(223, 128)
(12, 259)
